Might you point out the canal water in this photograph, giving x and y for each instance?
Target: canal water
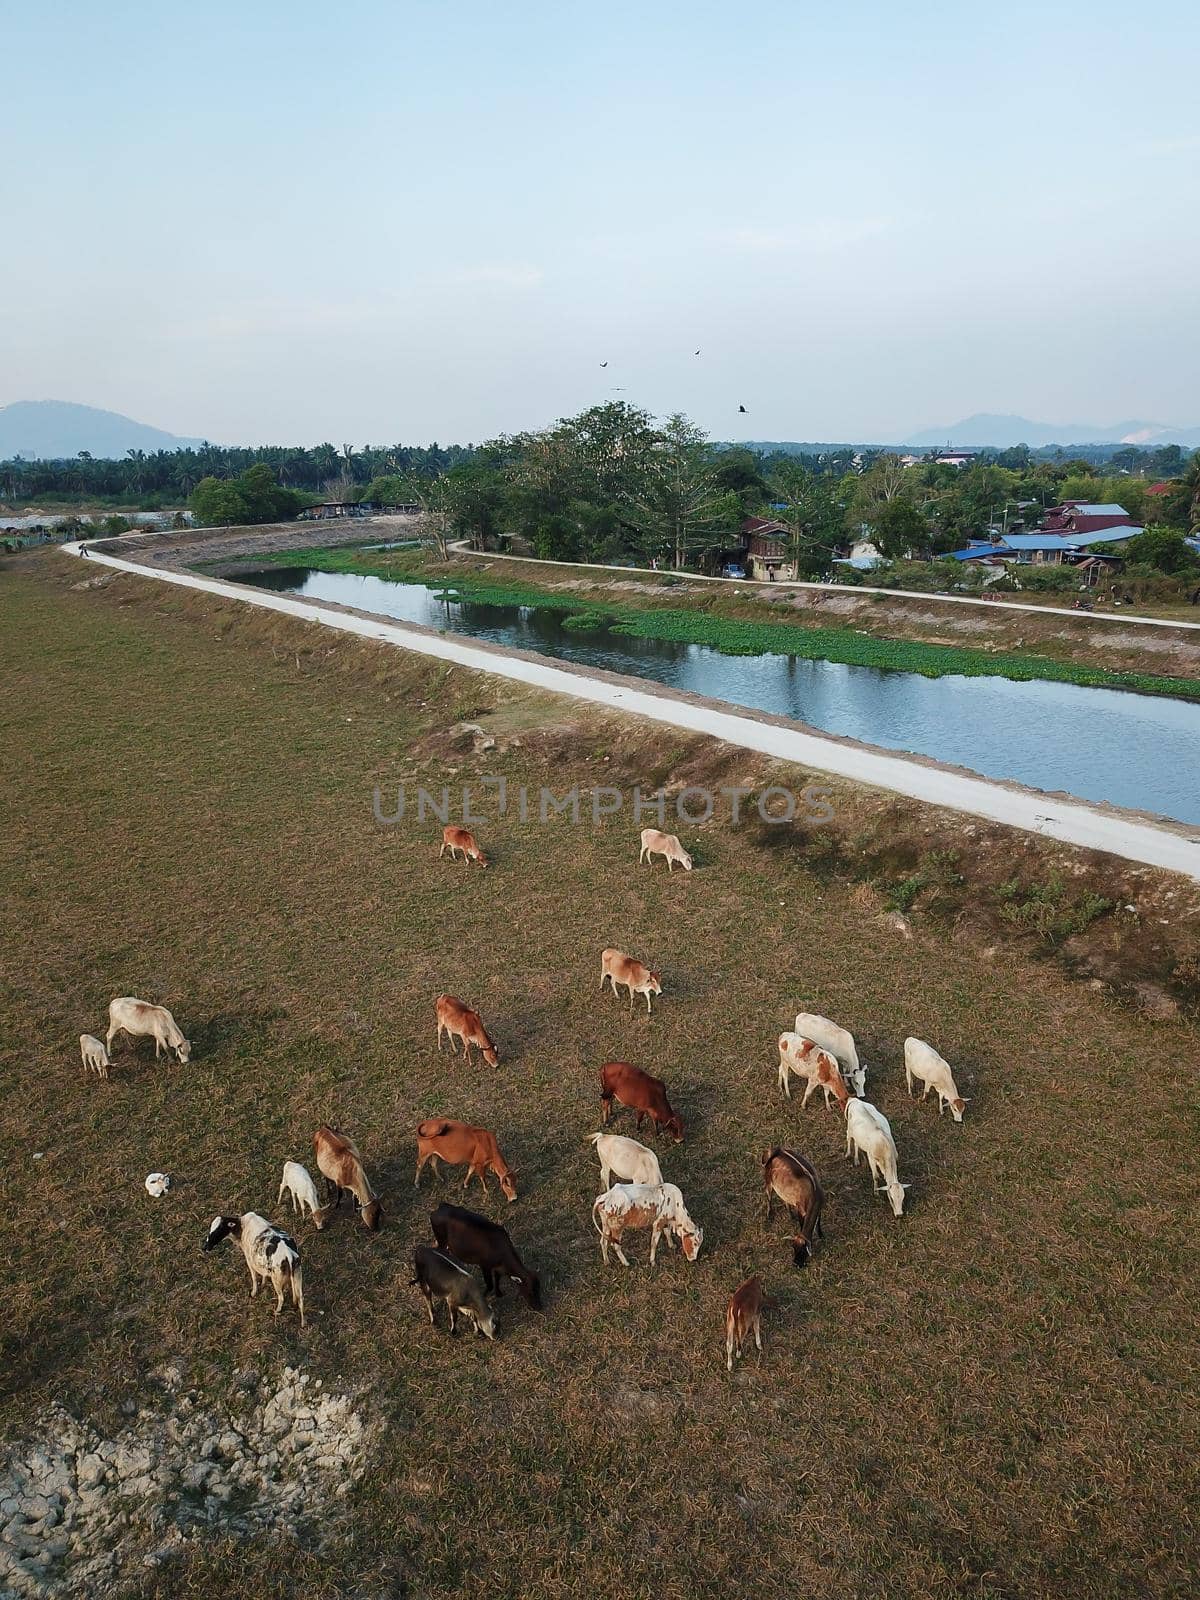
(1141, 751)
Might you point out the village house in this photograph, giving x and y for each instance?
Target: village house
(1082, 516)
(764, 545)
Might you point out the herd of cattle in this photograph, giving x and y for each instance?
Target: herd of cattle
(816, 1050)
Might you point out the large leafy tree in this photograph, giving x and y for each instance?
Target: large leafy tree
(812, 509)
(681, 507)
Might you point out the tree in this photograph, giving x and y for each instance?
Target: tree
(435, 496)
(810, 508)
(898, 529)
(218, 504)
(1163, 549)
(681, 504)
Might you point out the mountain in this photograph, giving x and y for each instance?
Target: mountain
(56, 430)
(1003, 431)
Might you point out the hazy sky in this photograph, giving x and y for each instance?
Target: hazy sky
(383, 220)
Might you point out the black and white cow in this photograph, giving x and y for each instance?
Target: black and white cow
(271, 1255)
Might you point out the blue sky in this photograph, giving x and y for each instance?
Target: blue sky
(382, 221)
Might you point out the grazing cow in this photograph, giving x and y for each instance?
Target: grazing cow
(271, 1255)
(839, 1042)
(921, 1061)
(616, 967)
(342, 1168)
(795, 1181)
(485, 1244)
(657, 1206)
(460, 1022)
(458, 1144)
(297, 1182)
(440, 1277)
(631, 1087)
(743, 1318)
(95, 1056)
(655, 843)
(629, 1160)
(808, 1061)
(868, 1130)
(458, 839)
(140, 1020)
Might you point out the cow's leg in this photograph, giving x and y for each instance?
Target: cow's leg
(422, 1158)
(425, 1290)
(621, 1256)
(729, 1348)
(647, 1000)
(908, 1077)
(277, 1285)
(440, 1031)
(785, 1079)
(758, 1334)
(604, 1247)
(808, 1089)
(770, 1197)
(253, 1282)
(453, 1319)
(654, 1235)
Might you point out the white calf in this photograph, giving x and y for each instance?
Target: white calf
(868, 1130)
(921, 1061)
(816, 1066)
(297, 1181)
(839, 1042)
(95, 1056)
(625, 1158)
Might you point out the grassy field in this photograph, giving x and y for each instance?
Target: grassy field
(992, 1396)
(730, 624)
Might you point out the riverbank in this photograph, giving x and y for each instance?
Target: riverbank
(673, 610)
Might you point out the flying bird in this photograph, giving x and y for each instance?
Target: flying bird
(697, 352)
(742, 409)
(604, 363)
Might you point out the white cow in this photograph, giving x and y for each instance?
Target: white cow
(95, 1056)
(629, 1160)
(657, 1206)
(667, 845)
(868, 1130)
(921, 1061)
(140, 1020)
(297, 1182)
(839, 1042)
(802, 1056)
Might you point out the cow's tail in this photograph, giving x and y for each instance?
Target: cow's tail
(595, 1208)
(595, 1138)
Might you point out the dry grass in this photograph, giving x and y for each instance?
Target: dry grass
(988, 1397)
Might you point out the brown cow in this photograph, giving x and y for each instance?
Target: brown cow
(458, 1143)
(794, 1180)
(743, 1318)
(460, 1022)
(616, 967)
(630, 1086)
(456, 839)
(340, 1164)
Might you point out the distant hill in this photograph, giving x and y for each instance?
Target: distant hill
(56, 430)
(1003, 431)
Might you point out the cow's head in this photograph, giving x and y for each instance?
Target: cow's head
(490, 1054)
(482, 861)
(371, 1213)
(485, 1324)
(674, 1125)
(895, 1193)
(690, 1243)
(685, 860)
(508, 1184)
(222, 1228)
(801, 1250)
(957, 1106)
(183, 1051)
(530, 1286)
(654, 983)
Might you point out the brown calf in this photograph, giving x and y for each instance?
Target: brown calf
(630, 1086)
(341, 1166)
(456, 839)
(743, 1318)
(458, 1144)
(794, 1180)
(616, 967)
(460, 1022)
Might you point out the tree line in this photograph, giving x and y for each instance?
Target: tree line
(615, 484)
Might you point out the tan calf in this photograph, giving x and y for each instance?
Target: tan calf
(618, 968)
(655, 843)
(460, 1022)
(458, 839)
(744, 1318)
(460, 1144)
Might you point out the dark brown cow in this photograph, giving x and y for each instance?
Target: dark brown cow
(483, 1243)
(631, 1087)
(743, 1318)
